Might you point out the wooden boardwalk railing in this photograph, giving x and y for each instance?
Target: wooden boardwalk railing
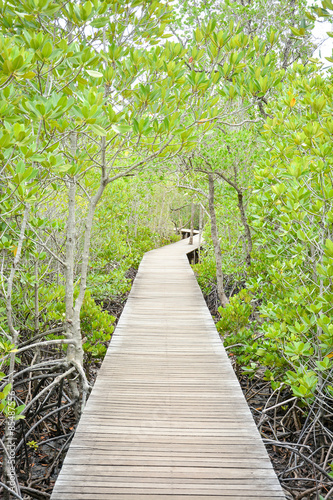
(166, 418)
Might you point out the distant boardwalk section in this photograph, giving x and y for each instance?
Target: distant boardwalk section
(166, 419)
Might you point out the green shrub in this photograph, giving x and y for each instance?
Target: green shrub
(96, 325)
(236, 315)
(97, 328)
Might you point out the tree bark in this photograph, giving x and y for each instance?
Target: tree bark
(73, 310)
(8, 442)
(248, 236)
(243, 216)
(289, 42)
(73, 352)
(192, 224)
(216, 243)
(200, 230)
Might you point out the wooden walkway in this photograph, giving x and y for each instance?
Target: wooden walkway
(166, 418)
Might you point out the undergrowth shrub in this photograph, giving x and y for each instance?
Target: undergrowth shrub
(96, 325)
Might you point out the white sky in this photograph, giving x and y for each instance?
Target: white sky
(319, 33)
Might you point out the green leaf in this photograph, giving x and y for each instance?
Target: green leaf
(301, 235)
(29, 75)
(47, 50)
(329, 248)
(100, 22)
(7, 389)
(323, 365)
(18, 62)
(121, 129)
(300, 391)
(19, 409)
(37, 157)
(93, 73)
(98, 129)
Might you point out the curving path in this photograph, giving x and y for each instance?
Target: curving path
(166, 418)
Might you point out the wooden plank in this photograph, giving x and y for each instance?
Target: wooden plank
(170, 496)
(189, 472)
(113, 459)
(166, 419)
(161, 487)
(117, 480)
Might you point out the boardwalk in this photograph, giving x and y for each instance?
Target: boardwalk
(166, 418)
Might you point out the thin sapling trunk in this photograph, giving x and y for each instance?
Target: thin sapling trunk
(216, 243)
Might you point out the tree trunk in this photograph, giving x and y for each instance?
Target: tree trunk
(9, 475)
(74, 352)
(37, 356)
(200, 230)
(289, 41)
(192, 224)
(217, 249)
(73, 323)
(242, 213)
(246, 228)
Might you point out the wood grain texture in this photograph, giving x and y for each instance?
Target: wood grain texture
(166, 419)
